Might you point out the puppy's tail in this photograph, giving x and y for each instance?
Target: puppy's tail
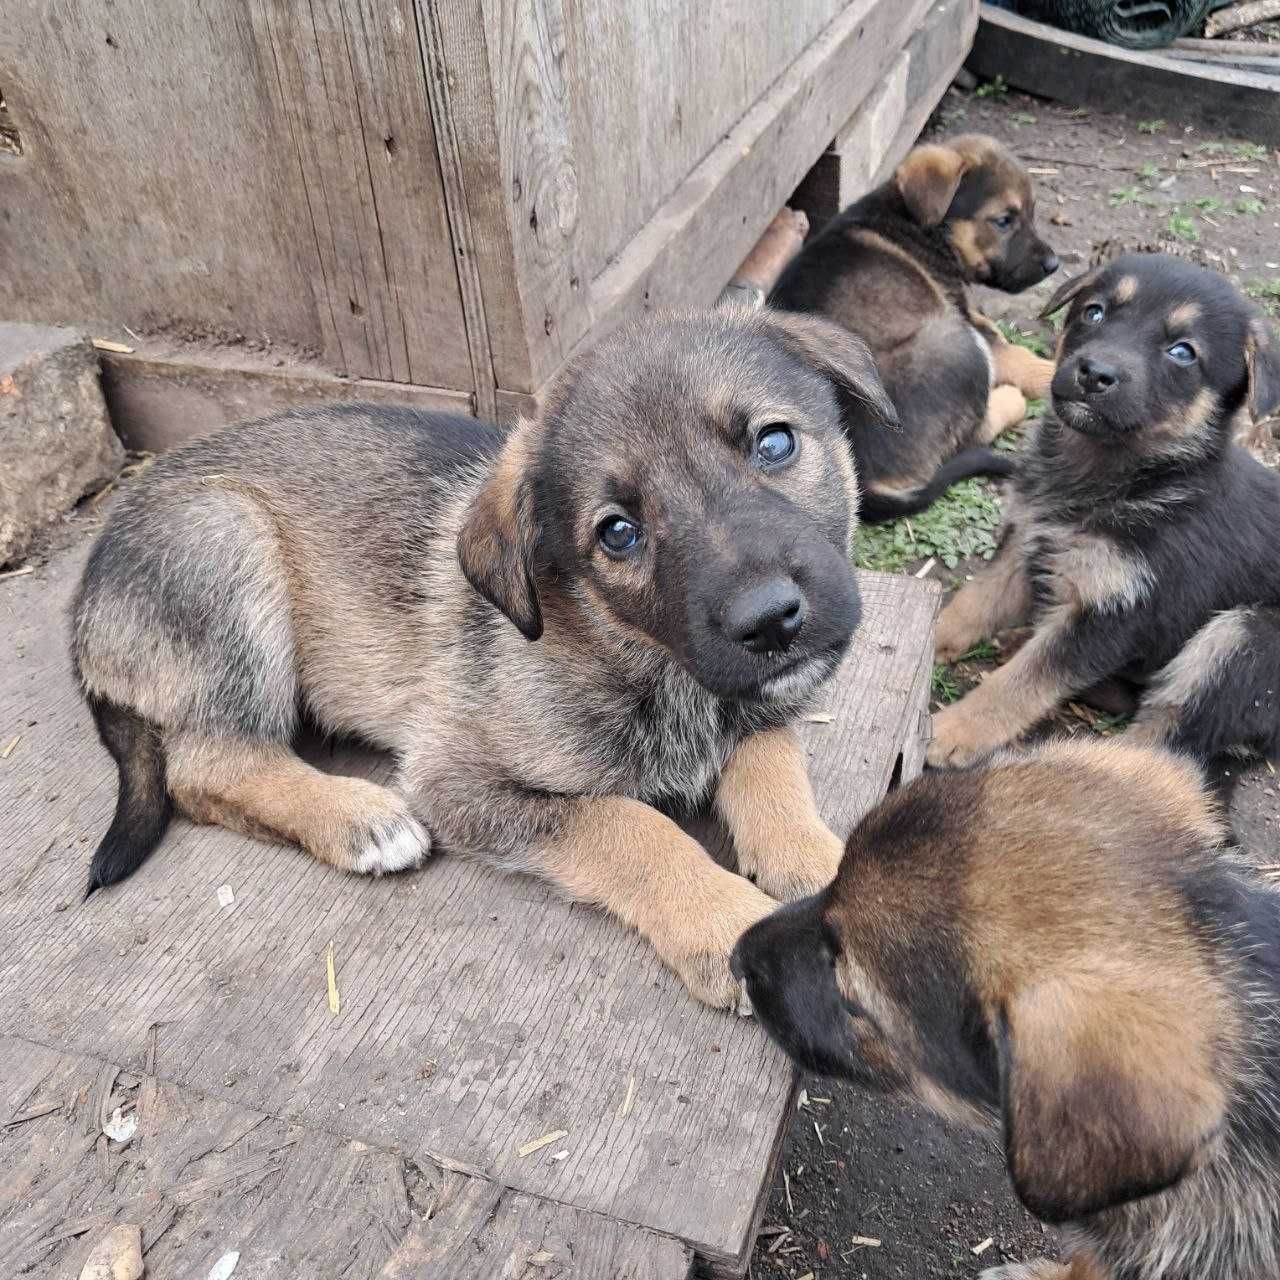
(875, 507)
(144, 807)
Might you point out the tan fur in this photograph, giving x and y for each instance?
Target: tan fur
(997, 597)
(644, 870)
(1006, 407)
(1023, 369)
(1126, 289)
(928, 178)
(1183, 317)
(767, 802)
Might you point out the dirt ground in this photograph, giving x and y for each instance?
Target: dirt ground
(874, 1188)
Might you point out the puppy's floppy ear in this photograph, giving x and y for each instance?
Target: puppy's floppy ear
(928, 180)
(499, 536)
(1068, 290)
(840, 355)
(1262, 359)
(1109, 1091)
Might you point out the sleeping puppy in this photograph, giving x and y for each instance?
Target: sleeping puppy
(894, 268)
(1139, 538)
(1055, 945)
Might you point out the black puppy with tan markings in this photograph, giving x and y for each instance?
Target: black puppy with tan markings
(1139, 537)
(623, 604)
(1056, 944)
(894, 268)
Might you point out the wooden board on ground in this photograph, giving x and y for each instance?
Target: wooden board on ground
(1091, 73)
(478, 1013)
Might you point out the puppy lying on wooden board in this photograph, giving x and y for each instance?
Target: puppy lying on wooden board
(893, 268)
(1140, 538)
(624, 603)
(1055, 944)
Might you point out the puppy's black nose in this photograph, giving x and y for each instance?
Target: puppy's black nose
(1095, 377)
(766, 618)
(1049, 264)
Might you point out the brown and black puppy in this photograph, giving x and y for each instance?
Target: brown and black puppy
(1139, 538)
(624, 604)
(894, 269)
(1056, 945)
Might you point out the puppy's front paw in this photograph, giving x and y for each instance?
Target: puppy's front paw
(697, 945)
(962, 735)
(392, 844)
(953, 635)
(807, 863)
(369, 830)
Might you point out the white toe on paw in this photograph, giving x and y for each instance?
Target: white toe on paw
(395, 846)
(743, 1007)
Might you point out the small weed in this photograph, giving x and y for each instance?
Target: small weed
(1149, 172)
(1035, 407)
(1251, 206)
(1021, 338)
(1183, 226)
(1129, 195)
(1150, 126)
(945, 688)
(1208, 204)
(1106, 724)
(983, 651)
(1249, 151)
(996, 88)
(1211, 148)
(1023, 117)
(963, 522)
(1267, 292)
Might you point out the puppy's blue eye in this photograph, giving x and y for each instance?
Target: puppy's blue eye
(618, 535)
(1182, 353)
(1004, 221)
(1093, 313)
(774, 444)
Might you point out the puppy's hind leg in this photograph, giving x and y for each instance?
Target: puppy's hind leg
(1006, 407)
(1221, 694)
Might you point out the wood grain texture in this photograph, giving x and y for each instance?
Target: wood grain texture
(482, 1232)
(478, 1012)
(884, 128)
(160, 402)
(1069, 68)
(264, 170)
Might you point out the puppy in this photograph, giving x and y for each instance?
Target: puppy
(1055, 945)
(893, 268)
(1139, 538)
(625, 603)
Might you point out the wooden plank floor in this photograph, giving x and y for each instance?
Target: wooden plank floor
(478, 1013)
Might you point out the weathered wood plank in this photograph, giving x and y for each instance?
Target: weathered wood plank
(478, 1011)
(884, 128)
(351, 87)
(1075, 69)
(201, 1176)
(158, 402)
(482, 1233)
(748, 176)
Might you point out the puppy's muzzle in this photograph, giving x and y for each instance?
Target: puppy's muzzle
(768, 616)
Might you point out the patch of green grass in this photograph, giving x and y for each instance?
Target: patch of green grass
(1149, 171)
(1150, 126)
(1266, 292)
(1211, 148)
(1023, 338)
(1106, 724)
(996, 88)
(983, 651)
(1250, 206)
(1249, 151)
(944, 685)
(1035, 406)
(1207, 204)
(1182, 225)
(1128, 195)
(963, 522)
